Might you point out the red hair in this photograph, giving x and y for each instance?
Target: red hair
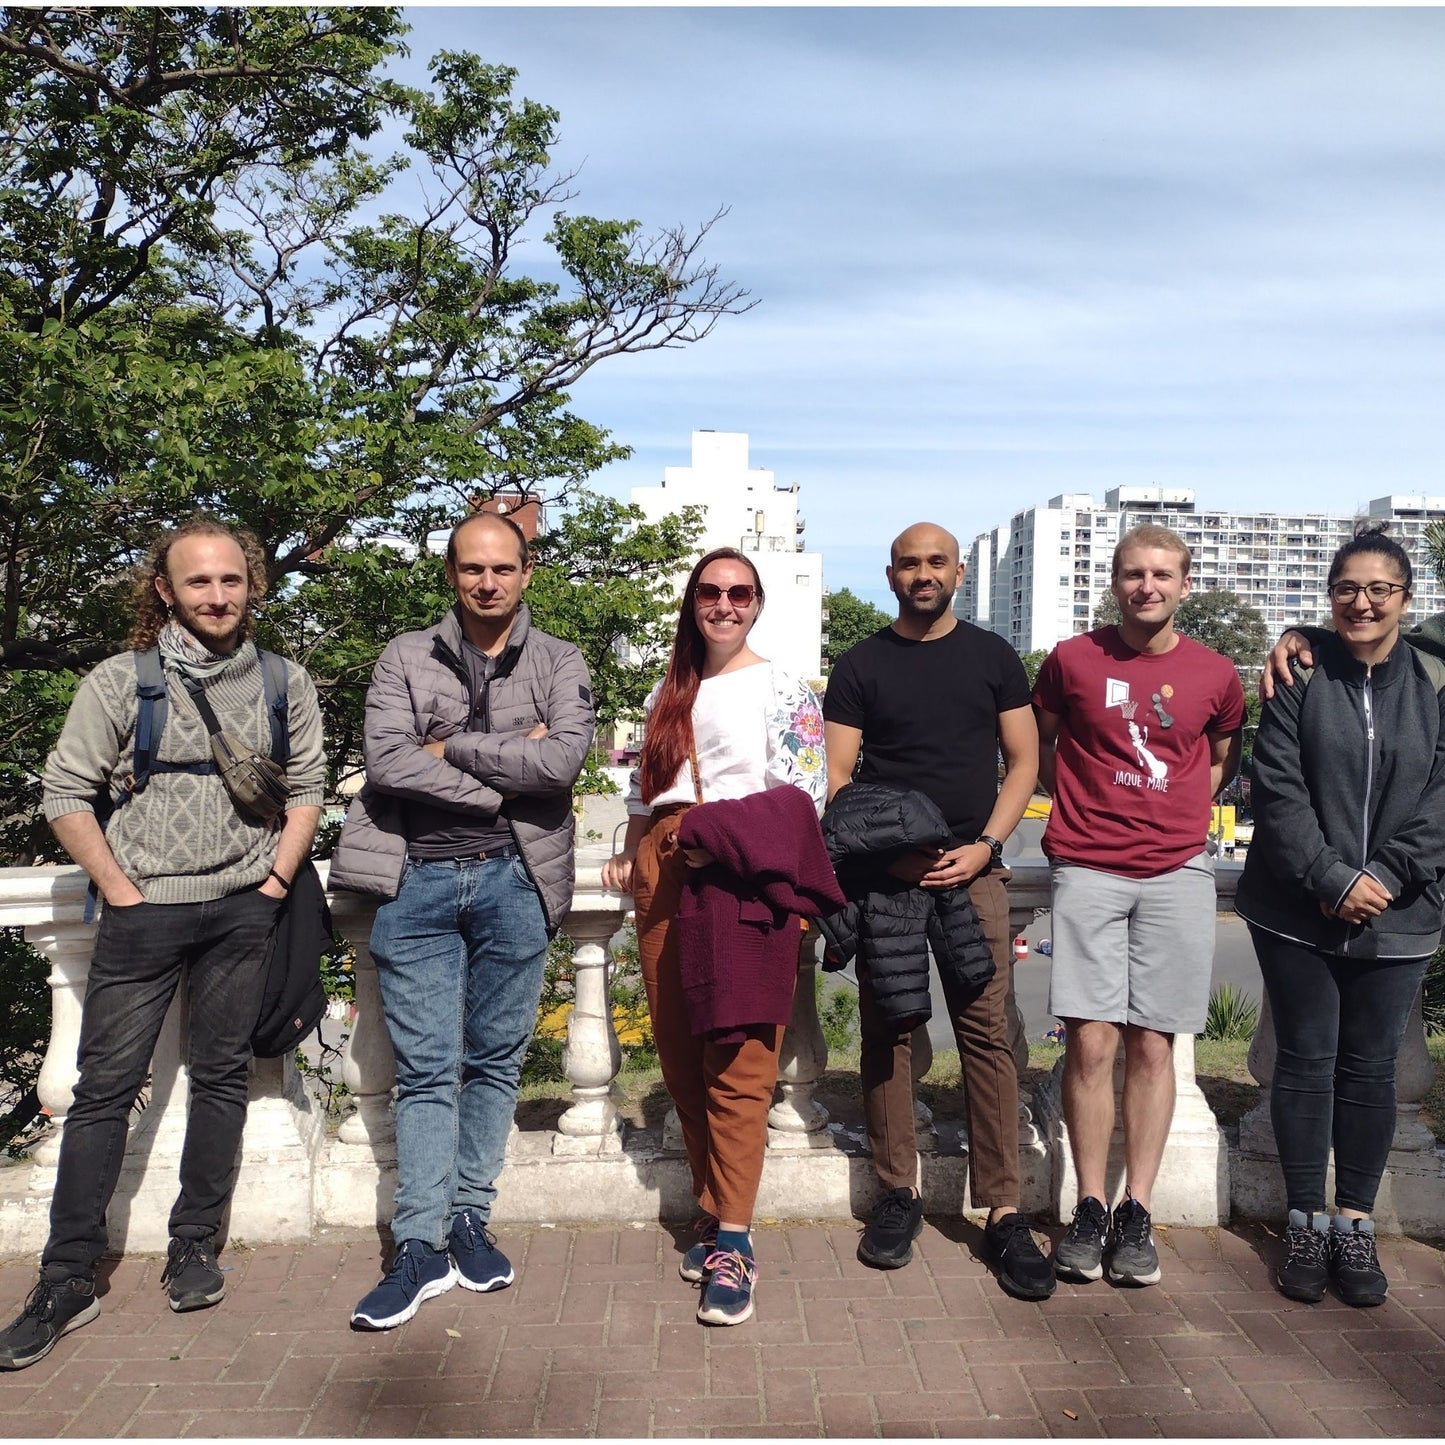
(669, 729)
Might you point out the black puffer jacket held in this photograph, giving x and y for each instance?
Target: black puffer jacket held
(889, 924)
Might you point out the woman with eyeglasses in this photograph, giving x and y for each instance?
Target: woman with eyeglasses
(1342, 892)
(723, 724)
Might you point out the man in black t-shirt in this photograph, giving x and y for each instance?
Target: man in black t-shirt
(930, 701)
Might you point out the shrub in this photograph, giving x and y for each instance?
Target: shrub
(838, 1015)
(1435, 993)
(24, 1031)
(1231, 1015)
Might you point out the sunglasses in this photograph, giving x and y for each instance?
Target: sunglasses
(739, 594)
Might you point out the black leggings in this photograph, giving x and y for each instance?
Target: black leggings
(1338, 1023)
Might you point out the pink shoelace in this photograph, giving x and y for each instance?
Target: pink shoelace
(731, 1269)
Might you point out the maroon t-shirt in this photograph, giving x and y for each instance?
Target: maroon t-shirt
(1131, 791)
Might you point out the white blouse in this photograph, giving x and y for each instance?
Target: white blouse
(756, 728)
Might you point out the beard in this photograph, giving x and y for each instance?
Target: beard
(930, 604)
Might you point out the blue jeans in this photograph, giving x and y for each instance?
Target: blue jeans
(460, 954)
(1338, 1023)
(140, 954)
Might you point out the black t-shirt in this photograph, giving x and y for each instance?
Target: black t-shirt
(928, 712)
(434, 832)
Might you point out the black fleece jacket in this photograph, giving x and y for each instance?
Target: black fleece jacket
(1349, 777)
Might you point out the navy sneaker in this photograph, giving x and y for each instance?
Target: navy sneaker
(480, 1265)
(417, 1274)
(192, 1278)
(55, 1307)
(693, 1266)
(727, 1298)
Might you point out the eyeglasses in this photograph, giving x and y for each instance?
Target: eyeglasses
(739, 594)
(1375, 591)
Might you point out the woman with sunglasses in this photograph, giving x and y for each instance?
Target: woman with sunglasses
(1342, 893)
(723, 724)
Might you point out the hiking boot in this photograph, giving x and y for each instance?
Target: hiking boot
(693, 1265)
(417, 1274)
(1022, 1270)
(55, 1307)
(1354, 1265)
(1079, 1255)
(479, 1264)
(897, 1222)
(1305, 1270)
(727, 1297)
(1134, 1260)
(192, 1278)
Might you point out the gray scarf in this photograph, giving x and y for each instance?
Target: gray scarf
(188, 654)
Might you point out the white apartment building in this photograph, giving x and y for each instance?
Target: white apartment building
(1037, 579)
(746, 509)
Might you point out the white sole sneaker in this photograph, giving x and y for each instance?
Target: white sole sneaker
(430, 1290)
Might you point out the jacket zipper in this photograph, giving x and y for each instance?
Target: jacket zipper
(1368, 699)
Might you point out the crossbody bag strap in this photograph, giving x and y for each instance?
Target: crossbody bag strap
(208, 716)
(692, 763)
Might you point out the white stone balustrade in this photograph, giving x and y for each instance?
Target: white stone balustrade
(294, 1179)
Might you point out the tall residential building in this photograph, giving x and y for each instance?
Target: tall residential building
(746, 509)
(1037, 579)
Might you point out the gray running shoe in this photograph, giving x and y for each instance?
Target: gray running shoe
(1079, 1255)
(1305, 1270)
(1134, 1259)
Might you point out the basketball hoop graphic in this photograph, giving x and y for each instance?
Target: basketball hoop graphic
(1116, 694)
(1127, 707)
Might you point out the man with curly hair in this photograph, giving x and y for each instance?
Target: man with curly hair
(192, 888)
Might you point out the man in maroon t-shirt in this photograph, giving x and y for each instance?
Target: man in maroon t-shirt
(1139, 729)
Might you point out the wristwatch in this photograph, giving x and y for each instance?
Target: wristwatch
(995, 849)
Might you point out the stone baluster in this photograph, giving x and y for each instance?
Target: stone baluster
(591, 1056)
(797, 1121)
(67, 948)
(368, 1067)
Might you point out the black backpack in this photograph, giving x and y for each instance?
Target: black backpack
(293, 1000)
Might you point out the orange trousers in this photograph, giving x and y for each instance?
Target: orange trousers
(722, 1091)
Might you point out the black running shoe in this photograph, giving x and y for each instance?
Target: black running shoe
(1354, 1265)
(1022, 1269)
(1305, 1270)
(897, 1222)
(1079, 1255)
(1134, 1260)
(191, 1277)
(55, 1307)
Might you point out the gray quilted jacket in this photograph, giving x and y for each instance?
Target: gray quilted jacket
(421, 692)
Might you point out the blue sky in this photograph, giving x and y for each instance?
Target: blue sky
(1001, 254)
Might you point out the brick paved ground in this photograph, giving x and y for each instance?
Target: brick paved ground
(597, 1338)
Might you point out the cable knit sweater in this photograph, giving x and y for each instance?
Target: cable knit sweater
(181, 839)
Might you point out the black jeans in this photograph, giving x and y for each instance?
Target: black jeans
(1338, 1023)
(140, 955)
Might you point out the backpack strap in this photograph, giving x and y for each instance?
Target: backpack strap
(150, 720)
(274, 680)
(1434, 667)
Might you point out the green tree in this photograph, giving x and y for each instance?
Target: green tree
(1032, 661)
(850, 620)
(212, 296)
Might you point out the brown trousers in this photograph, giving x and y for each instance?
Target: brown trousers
(990, 1075)
(722, 1091)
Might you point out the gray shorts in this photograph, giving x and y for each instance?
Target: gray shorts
(1134, 950)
